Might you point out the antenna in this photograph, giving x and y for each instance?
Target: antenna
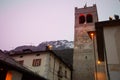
(85, 5)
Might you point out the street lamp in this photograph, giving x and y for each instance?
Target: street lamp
(92, 37)
(98, 62)
(91, 34)
(49, 47)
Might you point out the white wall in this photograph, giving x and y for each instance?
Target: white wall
(28, 60)
(49, 63)
(112, 44)
(54, 67)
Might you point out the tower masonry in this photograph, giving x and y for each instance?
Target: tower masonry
(83, 57)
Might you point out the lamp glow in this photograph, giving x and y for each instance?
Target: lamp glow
(98, 62)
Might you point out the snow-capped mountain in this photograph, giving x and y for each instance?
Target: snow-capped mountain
(56, 45)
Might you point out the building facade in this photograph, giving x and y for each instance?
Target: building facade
(45, 63)
(11, 70)
(84, 57)
(108, 37)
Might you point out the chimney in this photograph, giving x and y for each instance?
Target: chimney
(110, 18)
(116, 17)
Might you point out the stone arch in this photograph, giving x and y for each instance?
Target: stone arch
(89, 18)
(82, 19)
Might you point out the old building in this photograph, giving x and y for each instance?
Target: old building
(11, 70)
(47, 63)
(108, 44)
(84, 57)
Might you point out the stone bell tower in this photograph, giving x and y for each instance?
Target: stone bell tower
(83, 57)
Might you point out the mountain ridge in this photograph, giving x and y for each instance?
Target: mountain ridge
(56, 45)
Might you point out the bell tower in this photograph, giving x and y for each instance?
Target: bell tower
(83, 57)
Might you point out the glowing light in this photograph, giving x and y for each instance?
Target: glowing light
(98, 62)
(81, 14)
(92, 34)
(9, 76)
(49, 47)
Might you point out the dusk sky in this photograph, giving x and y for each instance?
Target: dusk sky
(30, 22)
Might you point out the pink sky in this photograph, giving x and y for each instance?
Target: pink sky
(29, 22)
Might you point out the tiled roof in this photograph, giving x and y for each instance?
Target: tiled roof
(9, 60)
(66, 55)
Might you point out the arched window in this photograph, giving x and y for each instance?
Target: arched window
(89, 18)
(81, 19)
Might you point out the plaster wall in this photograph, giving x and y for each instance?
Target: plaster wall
(55, 63)
(112, 44)
(28, 61)
(49, 65)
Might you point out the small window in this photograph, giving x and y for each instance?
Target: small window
(21, 62)
(60, 73)
(86, 57)
(21, 56)
(60, 68)
(65, 74)
(37, 54)
(81, 19)
(89, 18)
(59, 78)
(36, 62)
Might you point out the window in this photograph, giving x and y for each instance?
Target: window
(36, 62)
(81, 19)
(89, 18)
(21, 62)
(37, 54)
(59, 78)
(60, 68)
(86, 57)
(21, 56)
(65, 74)
(60, 73)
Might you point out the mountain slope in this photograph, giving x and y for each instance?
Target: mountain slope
(56, 45)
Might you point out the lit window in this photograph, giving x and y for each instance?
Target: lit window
(36, 62)
(81, 19)
(89, 18)
(9, 76)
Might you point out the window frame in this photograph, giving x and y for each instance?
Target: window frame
(36, 62)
